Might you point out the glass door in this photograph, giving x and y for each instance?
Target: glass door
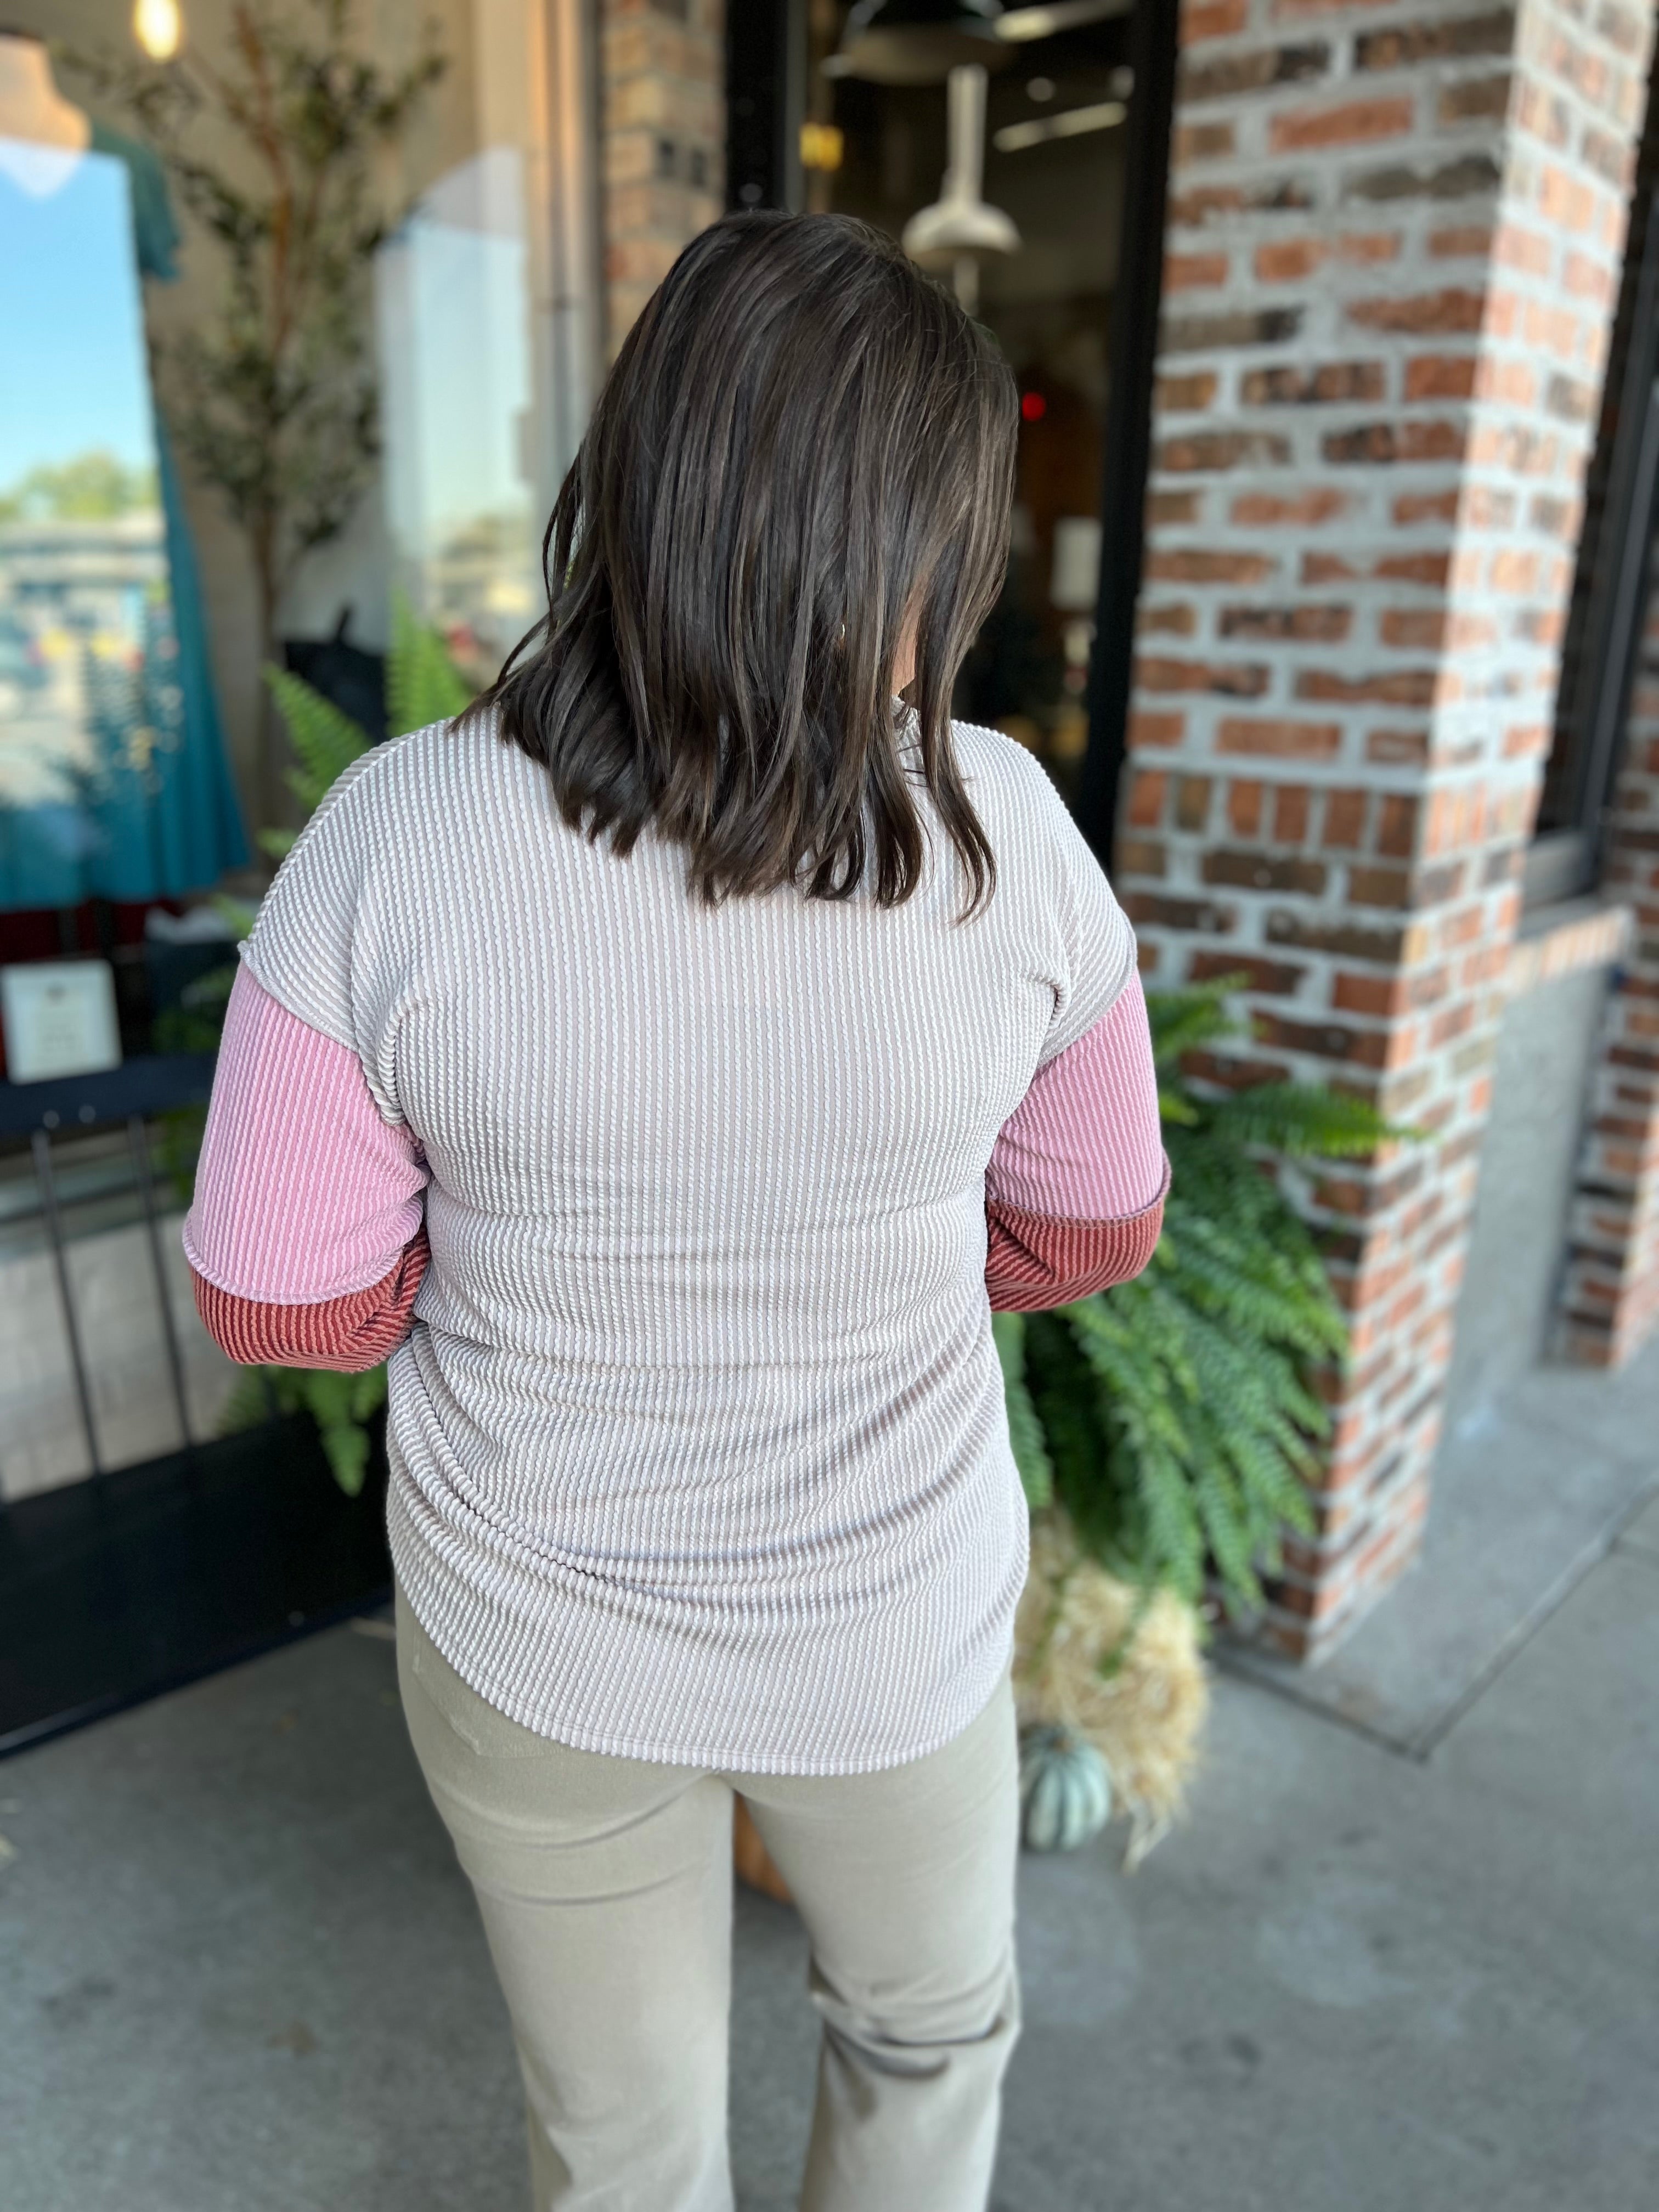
(865, 111)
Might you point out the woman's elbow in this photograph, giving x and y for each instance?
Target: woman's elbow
(347, 1334)
(1034, 1261)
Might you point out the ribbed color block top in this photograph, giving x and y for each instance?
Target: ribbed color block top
(697, 1440)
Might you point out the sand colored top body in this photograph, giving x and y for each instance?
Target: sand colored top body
(682, 1226)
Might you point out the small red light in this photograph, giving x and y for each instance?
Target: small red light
(1033, 406)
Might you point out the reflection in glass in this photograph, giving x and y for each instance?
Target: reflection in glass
(452, 305)
(89, 694)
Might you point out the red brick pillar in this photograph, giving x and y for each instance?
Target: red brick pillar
(662, 142)
(1612, 1280)
(1394, 246)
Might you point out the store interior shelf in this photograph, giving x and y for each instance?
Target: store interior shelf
(150, 1083)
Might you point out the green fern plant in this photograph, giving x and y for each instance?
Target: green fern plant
(343, 1405)
(423, 686)
(1176, 1418)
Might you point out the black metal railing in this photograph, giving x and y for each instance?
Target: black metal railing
(82, 1104)
(142, 1577)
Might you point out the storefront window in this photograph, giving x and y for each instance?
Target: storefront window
(137, 752)
(475, 428)
(112, 774)
(140, 756)
(459, 484)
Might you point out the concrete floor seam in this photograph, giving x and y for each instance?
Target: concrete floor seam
(1420, 1747)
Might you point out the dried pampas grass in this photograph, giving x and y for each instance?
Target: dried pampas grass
(1145, 1712)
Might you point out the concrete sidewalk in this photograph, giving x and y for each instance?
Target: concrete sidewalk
(240, 1970)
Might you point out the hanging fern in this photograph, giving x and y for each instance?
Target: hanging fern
(1175, 1418)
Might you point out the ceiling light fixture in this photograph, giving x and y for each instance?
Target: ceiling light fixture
(959, 226)
(159, 28)
(1017, 25)
(919, 41)
(1071, 122)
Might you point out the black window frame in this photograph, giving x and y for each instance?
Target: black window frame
(1614, 572)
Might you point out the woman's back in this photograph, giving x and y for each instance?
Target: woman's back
(701, 1413)
(671, 1066)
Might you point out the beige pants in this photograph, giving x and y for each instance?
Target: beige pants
(605, 1889)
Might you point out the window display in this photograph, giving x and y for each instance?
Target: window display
(113, 775)
(444, 352)
(374, 367)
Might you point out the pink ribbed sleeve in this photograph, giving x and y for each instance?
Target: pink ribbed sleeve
(305, 1235)
(1074, 1190)
(1084, 1141)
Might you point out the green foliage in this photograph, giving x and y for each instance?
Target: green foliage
(423, 683)
(1036, 1472)
(324, 741)
(342, 1405)
(178, 1147)
(93, 487)
(1178, 1415)
(424, 686)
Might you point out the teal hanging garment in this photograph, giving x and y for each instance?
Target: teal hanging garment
(113, 779)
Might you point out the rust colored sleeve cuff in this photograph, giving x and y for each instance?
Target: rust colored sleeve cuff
(350, 1334)
(1034, 1260)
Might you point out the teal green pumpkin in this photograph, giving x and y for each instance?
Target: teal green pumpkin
(1065, 1790)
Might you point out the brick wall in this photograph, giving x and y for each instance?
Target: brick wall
(1393, 255)
(662, 140)
(1613, 1283)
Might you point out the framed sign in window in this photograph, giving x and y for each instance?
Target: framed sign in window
(59, 1020)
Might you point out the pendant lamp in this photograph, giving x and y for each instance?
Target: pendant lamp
(960, 226)
(918, 42)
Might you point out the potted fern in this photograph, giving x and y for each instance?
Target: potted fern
(1167, 1431)
(1175, 1418)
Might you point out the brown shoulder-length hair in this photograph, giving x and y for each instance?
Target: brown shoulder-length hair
(802, 457)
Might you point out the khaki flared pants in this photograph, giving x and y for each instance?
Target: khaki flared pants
(605, 1889)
